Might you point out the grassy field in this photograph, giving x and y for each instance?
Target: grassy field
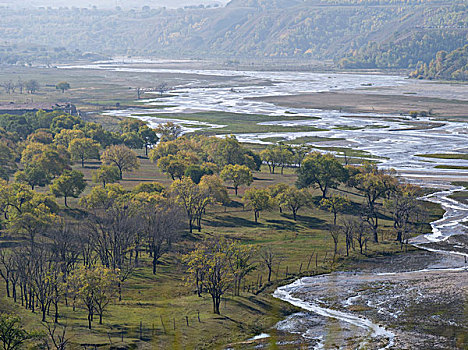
(452, 167)
(233, 123)
(161, 311)
(168, 310)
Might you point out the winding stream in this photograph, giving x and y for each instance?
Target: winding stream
(397, 139)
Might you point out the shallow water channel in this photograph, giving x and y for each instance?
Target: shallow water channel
(342, 310)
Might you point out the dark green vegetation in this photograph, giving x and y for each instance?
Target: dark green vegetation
(365, 34)
(454, 167)
(120, 255)
(449, 66)
(238, 123)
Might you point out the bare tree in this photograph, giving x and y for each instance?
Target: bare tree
(32, 86)
(161, 224)
(362, 234)
(111, 234)
(349, 228)
(20, 85)
(335, 233)
(162, 88)
(9, 87)
(7, 265)
(139, 92)
(268, 258)
(56, 336)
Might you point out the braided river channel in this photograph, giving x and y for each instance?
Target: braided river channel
(408, 302)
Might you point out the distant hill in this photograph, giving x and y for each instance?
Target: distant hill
(449, 66)
(353, 33)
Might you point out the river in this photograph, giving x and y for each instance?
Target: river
(398, 140)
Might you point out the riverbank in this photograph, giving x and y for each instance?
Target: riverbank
(379, 103)
(413, 300)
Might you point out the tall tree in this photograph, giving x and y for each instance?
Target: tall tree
(12, 334)
(62, 86)
(96, 288)
(192, 198)
(212, 260)
(106, 174)
(238, 175)
(375, 184)
(83, 149)
(321, 170)
(70, 184)
(258, 200)
(294, 199)
(122, 157)
(335, 204)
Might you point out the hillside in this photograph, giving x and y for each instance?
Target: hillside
(356, 34)
(449, 66)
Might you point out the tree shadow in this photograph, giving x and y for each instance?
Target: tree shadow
(281, 224)
(310, 221)
(232, 221)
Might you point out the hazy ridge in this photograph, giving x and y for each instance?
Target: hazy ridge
(366, 34)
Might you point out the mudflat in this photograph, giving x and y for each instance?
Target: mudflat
(441, 100)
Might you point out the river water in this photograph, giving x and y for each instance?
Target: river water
(396, 139)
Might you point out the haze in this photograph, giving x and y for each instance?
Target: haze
(109, 3)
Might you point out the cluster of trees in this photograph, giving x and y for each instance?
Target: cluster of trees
(415, 50)
(448, 66)
(282, 155)
(83, 258)
(26, 53)
(30, 86)
(380, 189)
(201, 155)
(217, 265)
(45, 145)
(84, 261)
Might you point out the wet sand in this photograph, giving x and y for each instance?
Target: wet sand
(372, 102)
(414, 300)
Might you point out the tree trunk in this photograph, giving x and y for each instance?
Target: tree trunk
(235, 189)
(90, 320)
(399, 236)
(7, 282)
(155, 261)
(65, 199)
(216, 302)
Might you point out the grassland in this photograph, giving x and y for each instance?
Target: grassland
(163, 304)
(170, 314)
(452, 167)
(233, 123)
